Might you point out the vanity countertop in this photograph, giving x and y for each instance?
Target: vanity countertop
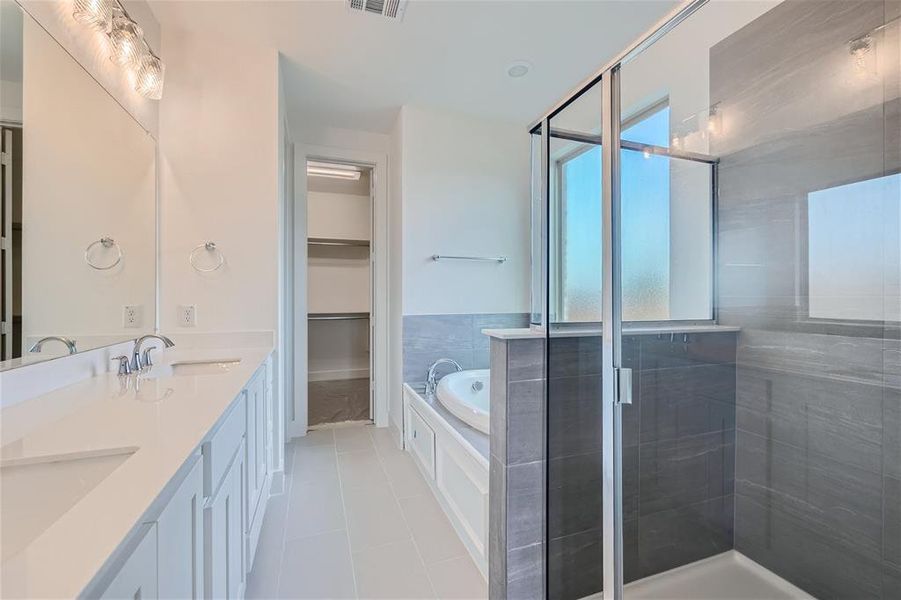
(162, 421)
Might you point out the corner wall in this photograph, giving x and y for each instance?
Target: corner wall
(219, 175)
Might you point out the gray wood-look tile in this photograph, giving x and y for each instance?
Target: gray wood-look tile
(804, 554)
(525, 504)
(525, 421)
(525, 573)
(838, 419)
(684, 534)
(574, 500)
(575, 565)
(843, 503)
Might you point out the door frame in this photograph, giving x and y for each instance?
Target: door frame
(296, 399)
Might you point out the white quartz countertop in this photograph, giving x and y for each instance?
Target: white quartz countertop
(162, 420)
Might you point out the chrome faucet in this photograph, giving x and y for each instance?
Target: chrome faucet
(431, 382)
(69, 342)
(139, 362)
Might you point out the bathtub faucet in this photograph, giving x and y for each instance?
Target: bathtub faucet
(431, 382)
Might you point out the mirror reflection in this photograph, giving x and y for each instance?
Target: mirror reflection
(78, 204)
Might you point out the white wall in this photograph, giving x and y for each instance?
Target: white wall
(219, 181)
(395, 278)
(87, 176)
(89, 48)
(464, 191)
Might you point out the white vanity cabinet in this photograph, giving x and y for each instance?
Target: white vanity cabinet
(225, 571)
(180, 539)
(137, 577)
(199, 537)
(257, 472)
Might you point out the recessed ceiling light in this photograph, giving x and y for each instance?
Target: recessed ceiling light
(519, 69)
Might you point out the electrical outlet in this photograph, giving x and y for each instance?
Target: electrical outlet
(132, 316)
(187, 315)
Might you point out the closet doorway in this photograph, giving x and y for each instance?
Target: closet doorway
(340, 276)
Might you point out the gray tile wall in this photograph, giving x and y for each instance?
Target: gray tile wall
(818, 443)
(517, 470)
(678, 456)
(427, 338)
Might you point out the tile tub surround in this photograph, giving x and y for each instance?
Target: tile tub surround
(427, 338)
(679, 442)
(818, 402)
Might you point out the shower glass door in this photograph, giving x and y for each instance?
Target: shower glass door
(722, 294)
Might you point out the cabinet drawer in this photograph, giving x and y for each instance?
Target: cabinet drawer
(219, 450)
(421, 439)
(138, 577)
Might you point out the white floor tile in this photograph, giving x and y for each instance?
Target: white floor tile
(353, 439)
(433, 533)
(404, 475)
(314, 463)
(384, 441)
(360, 469)
(262, 581)
(458, 578)
(391, 571)
(314, 508)
(318, 567)
(317, 437)
(374, 517)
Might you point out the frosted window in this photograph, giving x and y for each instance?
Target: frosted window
(854, 250)
(646, 229)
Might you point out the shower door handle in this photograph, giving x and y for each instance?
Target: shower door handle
(623, 386)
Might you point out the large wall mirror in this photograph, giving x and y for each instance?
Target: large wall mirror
(78, 203)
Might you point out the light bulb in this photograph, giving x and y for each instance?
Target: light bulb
(149, 76)
(127, 41)
(96, 13)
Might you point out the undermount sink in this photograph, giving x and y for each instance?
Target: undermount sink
(36, 492)
(212, 366)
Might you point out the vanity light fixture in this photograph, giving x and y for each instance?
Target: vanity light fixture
(128, 48)
(96, 13)
(126, 41)
(150, 72)
(335, 171)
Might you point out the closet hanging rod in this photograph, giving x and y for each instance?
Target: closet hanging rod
(498, 259)
(337, 316)
(336, 242)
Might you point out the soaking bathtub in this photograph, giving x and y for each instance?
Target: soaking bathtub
(465, 395)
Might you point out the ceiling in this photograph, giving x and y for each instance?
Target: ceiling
(355, 70)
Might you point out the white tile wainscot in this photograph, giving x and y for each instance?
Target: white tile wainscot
(453, 458)
(178, 472)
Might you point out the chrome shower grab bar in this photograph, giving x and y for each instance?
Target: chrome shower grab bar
(497, 259)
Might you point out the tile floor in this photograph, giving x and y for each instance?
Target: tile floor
(358, 521)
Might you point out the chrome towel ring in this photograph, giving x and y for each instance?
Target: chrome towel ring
(106, 242)
(209, 247)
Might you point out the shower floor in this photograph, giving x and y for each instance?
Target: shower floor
(727, 576)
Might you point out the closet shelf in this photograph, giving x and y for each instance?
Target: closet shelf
(337, 242)
(337, 316)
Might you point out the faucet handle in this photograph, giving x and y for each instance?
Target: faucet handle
(146, 361)
(124, 366)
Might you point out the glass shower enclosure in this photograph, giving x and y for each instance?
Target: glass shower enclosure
(717, 271)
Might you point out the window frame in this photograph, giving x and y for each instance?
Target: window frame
(556, 212)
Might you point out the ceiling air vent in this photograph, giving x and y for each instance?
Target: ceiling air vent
(393, 9)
